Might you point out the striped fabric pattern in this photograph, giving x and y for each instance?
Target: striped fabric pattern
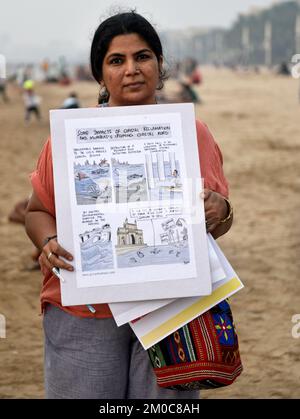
(203, 354)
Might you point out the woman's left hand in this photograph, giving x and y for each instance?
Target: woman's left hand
(216, 209)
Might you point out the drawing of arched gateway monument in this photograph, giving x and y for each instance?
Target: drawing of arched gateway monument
(129, 237)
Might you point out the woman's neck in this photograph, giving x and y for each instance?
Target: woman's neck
(111, 103)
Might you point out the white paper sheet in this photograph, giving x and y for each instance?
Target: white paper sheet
(126, 312)
(155, 326)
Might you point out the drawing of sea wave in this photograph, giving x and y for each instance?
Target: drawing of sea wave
(97, 258)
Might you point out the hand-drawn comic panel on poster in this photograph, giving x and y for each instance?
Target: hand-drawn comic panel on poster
(164, 177)
(96, 249)
(129, 181)
(168, 243)
(93, 182)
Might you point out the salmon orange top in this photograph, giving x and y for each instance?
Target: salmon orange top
(211, 162)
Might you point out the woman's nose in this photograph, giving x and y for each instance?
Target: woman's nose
(132, 67)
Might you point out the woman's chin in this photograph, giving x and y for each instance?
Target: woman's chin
(138, 99)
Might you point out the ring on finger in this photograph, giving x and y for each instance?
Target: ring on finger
(49, 256)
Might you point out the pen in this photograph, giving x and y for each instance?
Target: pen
(58, 275)
(55, 271)
(91, 308)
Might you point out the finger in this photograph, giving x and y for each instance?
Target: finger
(45, 265)
(208, 206)
(52, 257)
(59, 263)
(54, 247)
(214, 214)
(60, 251)
(211, 227)
(206, 194)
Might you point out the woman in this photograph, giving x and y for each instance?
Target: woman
(86, 355)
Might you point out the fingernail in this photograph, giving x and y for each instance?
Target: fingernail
(71, 269)
(70, 258)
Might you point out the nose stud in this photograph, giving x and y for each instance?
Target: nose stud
(136, 70)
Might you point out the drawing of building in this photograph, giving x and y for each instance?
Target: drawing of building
(130, 235)
(159, 160)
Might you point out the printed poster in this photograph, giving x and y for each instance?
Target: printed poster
(123, 181)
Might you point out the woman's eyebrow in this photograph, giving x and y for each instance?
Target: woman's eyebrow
(115, 54)
(142, 51)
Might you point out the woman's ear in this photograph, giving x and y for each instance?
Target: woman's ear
(161, 73)
(161, 63)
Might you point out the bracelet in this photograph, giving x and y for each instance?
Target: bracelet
(230, 210)
(48, 239)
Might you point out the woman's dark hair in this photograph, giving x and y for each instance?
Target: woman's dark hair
(123, 24)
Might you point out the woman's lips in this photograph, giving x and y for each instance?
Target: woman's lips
(134, 85)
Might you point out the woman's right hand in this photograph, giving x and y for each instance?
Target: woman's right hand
(53, 255)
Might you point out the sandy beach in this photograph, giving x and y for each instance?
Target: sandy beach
(255, 119)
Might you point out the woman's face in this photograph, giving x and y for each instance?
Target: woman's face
(130, 71)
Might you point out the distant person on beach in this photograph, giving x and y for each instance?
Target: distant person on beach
(86, 355)
(284, 70)
(188, 93)
(3, 93)
(31, 101)
(71, 102)
(189, 75)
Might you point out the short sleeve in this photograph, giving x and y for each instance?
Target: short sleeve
(42, 179)
(211, 161)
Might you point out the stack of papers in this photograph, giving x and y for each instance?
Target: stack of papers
(152, 321)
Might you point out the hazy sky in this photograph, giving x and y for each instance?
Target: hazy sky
(31, 28)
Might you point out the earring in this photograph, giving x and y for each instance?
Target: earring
(103, 92)
(103, 95)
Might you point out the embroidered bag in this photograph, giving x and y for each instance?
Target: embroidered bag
(203, 354)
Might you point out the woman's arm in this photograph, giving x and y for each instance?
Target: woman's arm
(216, 210)
(40, 224)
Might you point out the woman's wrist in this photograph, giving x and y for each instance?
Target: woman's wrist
(48, 239)
(229, 212)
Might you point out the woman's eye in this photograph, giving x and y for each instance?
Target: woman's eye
(143, 57)
(116, 61)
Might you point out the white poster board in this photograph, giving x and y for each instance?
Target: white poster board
(124, 178)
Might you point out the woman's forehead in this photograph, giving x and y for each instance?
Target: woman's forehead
(128, 43)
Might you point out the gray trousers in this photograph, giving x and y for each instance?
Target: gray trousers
(94, 359)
